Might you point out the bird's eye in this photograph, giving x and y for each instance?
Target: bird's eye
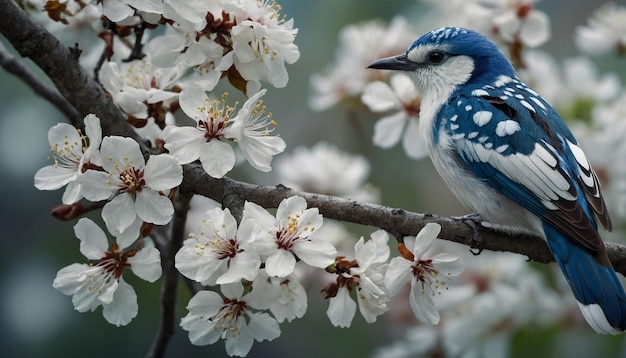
(436, 57)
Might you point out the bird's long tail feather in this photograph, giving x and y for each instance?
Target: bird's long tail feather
(596, 287)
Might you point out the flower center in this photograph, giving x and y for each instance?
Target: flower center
(114, 261)
(425, 273)
(227, 317)
(132, 180)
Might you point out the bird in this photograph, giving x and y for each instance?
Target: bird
(506, 153)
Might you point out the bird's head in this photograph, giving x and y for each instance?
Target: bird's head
(442, 60)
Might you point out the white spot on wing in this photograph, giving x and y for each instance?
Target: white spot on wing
(479, 93)
(472, 135)
(502, 148)
(582, 161)
(538, 102)
(468, 108)
(502, 80)
(454, 126)
(481, 118)
(527, 105)
(458, 136)
(454, 118)
(507, 127)
(483, 139)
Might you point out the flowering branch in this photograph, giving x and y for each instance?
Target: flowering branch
(398, 222)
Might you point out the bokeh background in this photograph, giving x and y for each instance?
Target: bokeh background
(38, 321)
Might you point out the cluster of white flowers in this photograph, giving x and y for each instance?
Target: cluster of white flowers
(254, 263)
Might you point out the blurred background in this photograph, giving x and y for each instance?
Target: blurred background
(38, 321)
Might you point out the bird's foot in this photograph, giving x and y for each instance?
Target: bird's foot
(474, 221)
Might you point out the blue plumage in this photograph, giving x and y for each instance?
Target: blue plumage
(506, 153)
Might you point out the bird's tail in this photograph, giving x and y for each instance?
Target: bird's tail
(597, 289)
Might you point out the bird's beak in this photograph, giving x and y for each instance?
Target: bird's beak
(398, 63)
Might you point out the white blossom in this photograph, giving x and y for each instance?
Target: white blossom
(401, 97)
(214, 254)
(365, 275)
(73, 153)
(605, 32)
(427, 275)
(140, 89)
(101, 283)
(135, 187)
(231, 318)
(217, 127)
(345, 78)
(285, 296)
(263, 41)
(291, 233)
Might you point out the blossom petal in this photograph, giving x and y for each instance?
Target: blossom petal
(52, 177)
(95, 185)
(422, 305)
(217, 158)
(379, 97)
(200, 268)
(123, 308)
(205, 304)
(316, 253)
(425, 238)
(184, 143)
(146, 264)
(192, 101)
(263, 327)
(119, 213)
(66, 280)
(415, 149)
(93, 241)
(119, 153)
(245, 265)
(398, 274)
(341, 309)
(154, 208)
(281, 263)
(388, 130)
(447, 264)
(162, 172)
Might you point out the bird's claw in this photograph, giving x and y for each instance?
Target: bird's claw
(473, 221)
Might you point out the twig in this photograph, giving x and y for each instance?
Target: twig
(170, 276)
(12, 65)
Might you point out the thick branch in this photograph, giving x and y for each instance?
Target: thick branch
(73, 82)
(398, 222)
(17, 68)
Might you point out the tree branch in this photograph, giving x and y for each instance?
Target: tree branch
(73, 82)
(168, 250)
(17, 68)
(398, 222)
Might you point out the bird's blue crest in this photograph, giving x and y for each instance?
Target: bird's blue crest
(489, 61)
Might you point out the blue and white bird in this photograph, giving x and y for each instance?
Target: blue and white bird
(508, 155)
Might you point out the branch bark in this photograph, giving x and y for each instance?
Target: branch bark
(398, 222)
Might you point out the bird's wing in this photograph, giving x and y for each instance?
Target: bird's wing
(522, 148)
